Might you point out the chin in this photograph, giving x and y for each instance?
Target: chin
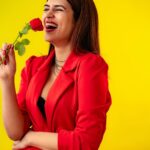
(48, 39)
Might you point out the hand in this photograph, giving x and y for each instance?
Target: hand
(23, 143)
(8, 67)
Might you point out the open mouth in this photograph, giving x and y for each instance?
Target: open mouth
(50, 27)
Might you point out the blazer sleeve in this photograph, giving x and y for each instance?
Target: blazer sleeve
(94, 101)
(21, 95)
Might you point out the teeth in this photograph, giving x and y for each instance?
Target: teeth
(51, 26)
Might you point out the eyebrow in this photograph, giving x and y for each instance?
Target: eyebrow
(56, 6)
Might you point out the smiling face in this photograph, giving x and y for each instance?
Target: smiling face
(58, 21)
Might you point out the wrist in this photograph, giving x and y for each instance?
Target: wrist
(30, 138)
(8, 82)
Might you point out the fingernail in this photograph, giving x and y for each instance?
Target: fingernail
(4, 62)
(9, 46)
(4, 46)
(4, 52)
(11, 50)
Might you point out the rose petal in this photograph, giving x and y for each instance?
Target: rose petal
(36, 24)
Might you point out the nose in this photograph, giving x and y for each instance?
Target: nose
(50, 14)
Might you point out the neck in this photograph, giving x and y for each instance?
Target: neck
(62, 52)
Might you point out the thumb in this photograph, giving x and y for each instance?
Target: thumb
(4, 46)
(11, 53)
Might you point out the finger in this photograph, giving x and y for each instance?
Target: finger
(0, 60)
(15, 145)
(16, 142)
(1, 52)
(11, 49)
(3, 56)
(4, 53)
(18, 146)
(11, 54)
(4, 46)
(7, 58)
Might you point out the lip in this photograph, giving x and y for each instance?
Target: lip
(51, 22)
(49, 30)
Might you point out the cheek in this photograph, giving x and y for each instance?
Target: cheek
(43, 17)
(66, 23)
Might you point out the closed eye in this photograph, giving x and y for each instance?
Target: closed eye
(46, 9)
(55, 8)
(58, 9)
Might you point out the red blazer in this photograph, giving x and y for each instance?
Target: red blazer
(76, 104)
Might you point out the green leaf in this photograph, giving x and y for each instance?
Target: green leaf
(17, 45)
(20, 47)
(21, 50)
(25, 42)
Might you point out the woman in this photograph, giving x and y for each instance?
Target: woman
(63, 97)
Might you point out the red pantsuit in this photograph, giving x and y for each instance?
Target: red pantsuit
(76, 104)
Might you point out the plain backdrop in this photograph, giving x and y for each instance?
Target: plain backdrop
(124, 31)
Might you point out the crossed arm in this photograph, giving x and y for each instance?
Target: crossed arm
(14, 125)
(91, 116)
(41, 140)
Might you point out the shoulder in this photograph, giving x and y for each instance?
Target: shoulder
(33, 63)
(91, 61)
(35, 59)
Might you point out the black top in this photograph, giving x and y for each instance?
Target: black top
(40, 104)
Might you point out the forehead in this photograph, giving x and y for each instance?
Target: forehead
(56, 2)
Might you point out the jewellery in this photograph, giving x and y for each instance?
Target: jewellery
(57, 66)
(59, 60)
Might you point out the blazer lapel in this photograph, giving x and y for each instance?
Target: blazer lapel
(62, 82)
(34, 91)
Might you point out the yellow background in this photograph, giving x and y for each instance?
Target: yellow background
(125, 45)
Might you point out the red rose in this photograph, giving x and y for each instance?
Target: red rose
(36, 24)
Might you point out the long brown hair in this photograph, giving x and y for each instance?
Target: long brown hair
(85, 34)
